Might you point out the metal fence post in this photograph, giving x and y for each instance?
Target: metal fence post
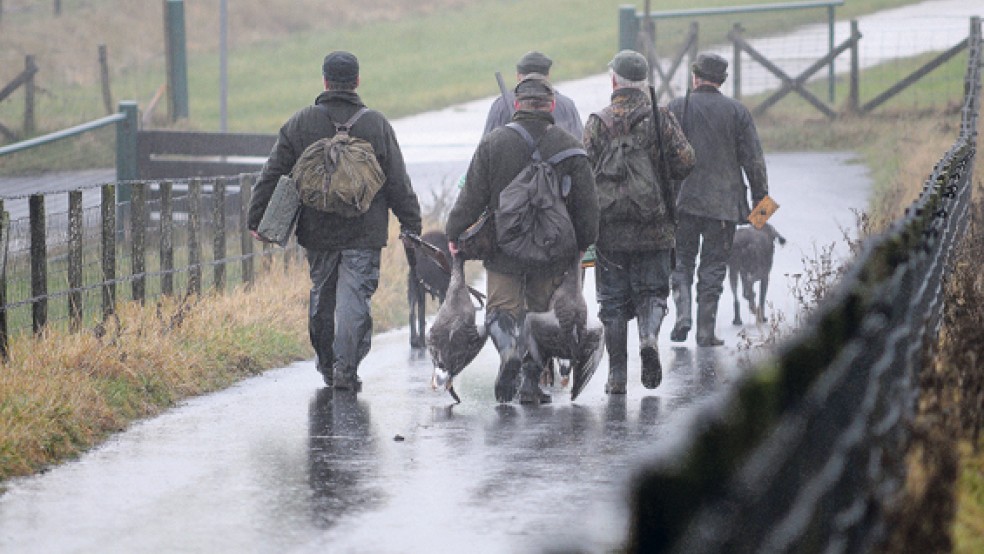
(177, 65)
(628, 27)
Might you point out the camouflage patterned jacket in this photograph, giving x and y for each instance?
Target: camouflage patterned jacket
(723, 134)
(639, 236)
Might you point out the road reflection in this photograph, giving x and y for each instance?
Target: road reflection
(341, 456)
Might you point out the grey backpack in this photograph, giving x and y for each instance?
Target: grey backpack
(531, 222)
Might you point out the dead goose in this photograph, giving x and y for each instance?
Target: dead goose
(562, 331)
(454, 338)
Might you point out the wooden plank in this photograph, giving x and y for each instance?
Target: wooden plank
(4, 242)
(39, 263)
(204, 144)
(108, 209)
(218, 233)
(913, 77)
(167, 239)
(194, 232)
(75, 230)
(173, 169)
(138, 244)
(246, 238)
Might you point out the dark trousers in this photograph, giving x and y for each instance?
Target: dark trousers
(625, 280)
(711, 239)
(339, 313)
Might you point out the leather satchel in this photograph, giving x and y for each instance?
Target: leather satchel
(281, 213)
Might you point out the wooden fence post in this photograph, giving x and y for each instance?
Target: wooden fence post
(138, 237)
(39, 263)
(104, 75)
(854, 94)
(4, 241)
(736, 64)
(75, 259)
(29, 89)
(218, 238)
(246, 238)
(108, 208)
(194, 230)
(167, 239)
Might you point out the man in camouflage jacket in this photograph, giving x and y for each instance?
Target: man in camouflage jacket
(343, 252)
(713, 199)
(515, 287)
(632, 274)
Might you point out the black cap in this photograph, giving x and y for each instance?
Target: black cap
(534, 86)
(630, 65)
(534, 62)
(711, 67)
(341, 67)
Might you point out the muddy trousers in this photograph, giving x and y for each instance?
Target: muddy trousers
(339, 315)
(711, 240)
(632, 285)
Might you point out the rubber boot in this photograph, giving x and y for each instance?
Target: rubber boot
(706, 316)
(530, 391)
(650, 318)
(684, 321)
(508, 336)
(347, 378)
(616, 335)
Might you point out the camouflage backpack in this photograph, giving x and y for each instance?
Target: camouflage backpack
(339, 174)
(627, 184)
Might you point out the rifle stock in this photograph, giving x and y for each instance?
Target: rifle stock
(440, 258)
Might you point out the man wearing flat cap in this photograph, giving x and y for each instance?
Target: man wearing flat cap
(635, 152)
(515, 286)
(565, 113)
(713, 199)
(343, 252)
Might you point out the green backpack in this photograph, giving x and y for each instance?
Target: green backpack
(628, 189)
(339, 174)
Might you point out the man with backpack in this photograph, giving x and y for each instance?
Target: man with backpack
(532, 252)
(635, 150)
(343, 242)
(713, 199)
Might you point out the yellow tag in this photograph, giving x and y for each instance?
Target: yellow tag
(762, 212)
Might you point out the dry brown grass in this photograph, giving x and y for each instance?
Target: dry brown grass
(62, 393)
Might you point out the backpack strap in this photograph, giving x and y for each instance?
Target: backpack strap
(344, 127)
(530, 141)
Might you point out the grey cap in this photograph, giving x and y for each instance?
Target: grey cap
(534, 86)
(711, 67)
(341, 67)
(630, 65)
(534, 62)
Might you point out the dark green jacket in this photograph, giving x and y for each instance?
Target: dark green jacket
(724, 137)
(499, 157)
(318, 230)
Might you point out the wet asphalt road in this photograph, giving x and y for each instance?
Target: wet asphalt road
(279, 464)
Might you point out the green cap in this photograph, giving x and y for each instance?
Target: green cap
(630, 65)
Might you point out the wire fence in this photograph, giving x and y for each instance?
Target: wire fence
(807, 453)
(70, 266)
